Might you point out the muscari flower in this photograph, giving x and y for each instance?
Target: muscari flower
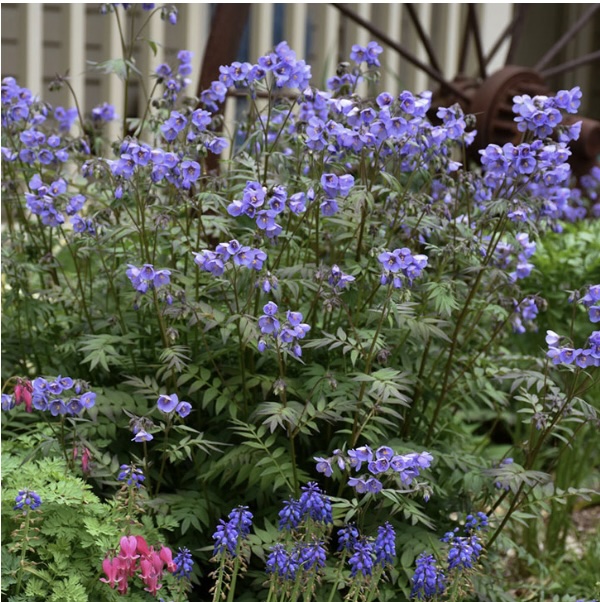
(183, 563)
(27, 500)
(428, 580)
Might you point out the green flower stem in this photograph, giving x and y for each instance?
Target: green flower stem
(219, 583)
(369, 362)
(339, 576)
(236, 569)
(23, 553)
(164, 455)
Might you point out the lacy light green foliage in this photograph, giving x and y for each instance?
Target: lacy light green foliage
(68, 536)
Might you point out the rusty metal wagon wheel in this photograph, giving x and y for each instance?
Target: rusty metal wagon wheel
(487, 95)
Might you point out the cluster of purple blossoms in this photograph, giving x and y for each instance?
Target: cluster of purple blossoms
(367, 54)
(537, 171)
(27, 500)
(506, 255)
(396, 126)
(139, 427)
(591, 300)
(17, 103)
(303, 557)
(175, 83)
(46, 201)
(104, 112)
(338, 280)
(22, 113)
(281, 66)
(184, 563)
(194, 127)
(464, 550)
(313, 504)
(428, 580)
(384, 461)
(401, 262)
(147, 277)
(231, 533)
(286, 336)
(334, 187)
(161, 165)
(524, 315)
(61, 396)
(132, 475)
(265, 207)
(215, 261)
(167, 12)
(583, 357)
(541, 114)
(170, 403)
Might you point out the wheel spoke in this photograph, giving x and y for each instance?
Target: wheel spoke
(551, 53)
(464, 48)
(570, 65)
(401, 50)
(226, 32)
(423, 37)
(513, 29)
(474, 27)
(516, 36)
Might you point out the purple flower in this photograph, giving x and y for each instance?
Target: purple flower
(167, 403)
(183, 563)
(361, 560)
(314, 504)
(132, 475)
(27, 500)
(428, 580)
(142, 436)
(385, 545)
(229, 534)
(183, 409)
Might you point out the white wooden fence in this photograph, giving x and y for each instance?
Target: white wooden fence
(40, 40)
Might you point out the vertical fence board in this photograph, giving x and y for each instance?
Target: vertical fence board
(112, 87)
(420, 80)
(195, 19)
(389, 17)
(261, 30)
(355, 34)
(154, 31)
(327, 37)
(76, 51)
(32, 32)
(493, 18)
(450, 27)
(294, 28)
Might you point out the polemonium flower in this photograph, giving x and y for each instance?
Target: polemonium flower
(167, 403)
